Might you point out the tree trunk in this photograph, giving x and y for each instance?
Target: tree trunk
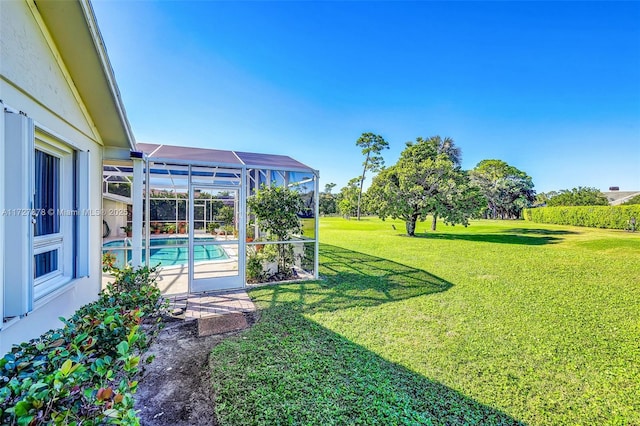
(411, 226)
(435, 220)
(364, 171)
(359, 197)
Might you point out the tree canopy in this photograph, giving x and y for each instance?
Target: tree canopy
(348, 198)
(427, 179)
(276, 208)
(327, 201)
(506, 189)
(580, 196)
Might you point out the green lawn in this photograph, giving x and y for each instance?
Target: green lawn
(497, 323)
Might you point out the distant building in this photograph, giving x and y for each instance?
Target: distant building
(617, 197)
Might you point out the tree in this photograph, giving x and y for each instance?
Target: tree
(226, 215)
(447, 146)
(543, 197)
(425, 180)
(276, 209)
(506, 189)
(327, 202)
(328, 187)
(348, 198)
(371, 146)
(580, 196)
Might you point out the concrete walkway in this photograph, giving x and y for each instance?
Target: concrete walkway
(216, 313)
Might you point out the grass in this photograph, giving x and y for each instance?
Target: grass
(498, 323)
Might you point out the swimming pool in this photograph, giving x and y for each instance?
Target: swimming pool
(166, 251)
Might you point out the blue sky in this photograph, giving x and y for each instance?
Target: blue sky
(552, 88)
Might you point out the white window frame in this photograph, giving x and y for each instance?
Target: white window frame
(62, 241)
(2, 211)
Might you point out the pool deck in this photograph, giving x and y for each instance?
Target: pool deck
(174, 280)
(215, 312)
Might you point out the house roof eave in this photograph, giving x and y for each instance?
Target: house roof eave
(74, 29)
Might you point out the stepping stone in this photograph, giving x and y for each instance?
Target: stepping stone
(218, 324)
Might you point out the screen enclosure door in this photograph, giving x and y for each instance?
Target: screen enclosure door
(214, 246)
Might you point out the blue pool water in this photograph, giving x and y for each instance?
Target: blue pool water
(166, 251)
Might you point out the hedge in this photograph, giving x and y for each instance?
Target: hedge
(611, 217)
(84, 373)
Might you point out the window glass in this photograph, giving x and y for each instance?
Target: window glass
(45, 263)
(47, 194)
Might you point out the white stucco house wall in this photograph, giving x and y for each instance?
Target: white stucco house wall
(62, 115)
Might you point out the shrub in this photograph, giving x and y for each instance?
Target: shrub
(634, 200)
(258, 260)
(612, 217)
(84, 373)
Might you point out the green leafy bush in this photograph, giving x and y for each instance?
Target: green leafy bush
(258, 259)
(84, 373)
(612, 217)
(634, 200)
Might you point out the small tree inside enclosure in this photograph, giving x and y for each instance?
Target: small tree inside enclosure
(276, 209)
(427, 179)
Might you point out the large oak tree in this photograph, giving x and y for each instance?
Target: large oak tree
(427, 179)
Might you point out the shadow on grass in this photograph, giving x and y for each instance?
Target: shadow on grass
(493, 238)
(289, 369)
(357, 279)
(540, 231)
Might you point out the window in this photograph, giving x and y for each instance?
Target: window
(53, 214)
(46, 226)
(47, 218)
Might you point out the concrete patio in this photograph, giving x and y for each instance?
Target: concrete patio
(215, 313)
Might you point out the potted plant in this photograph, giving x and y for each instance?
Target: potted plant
(251, 232)
(212, 227)
(228, 229)
(170, 228)
(128, 229)
(182, 227)
(261, 264)
(156, 227)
